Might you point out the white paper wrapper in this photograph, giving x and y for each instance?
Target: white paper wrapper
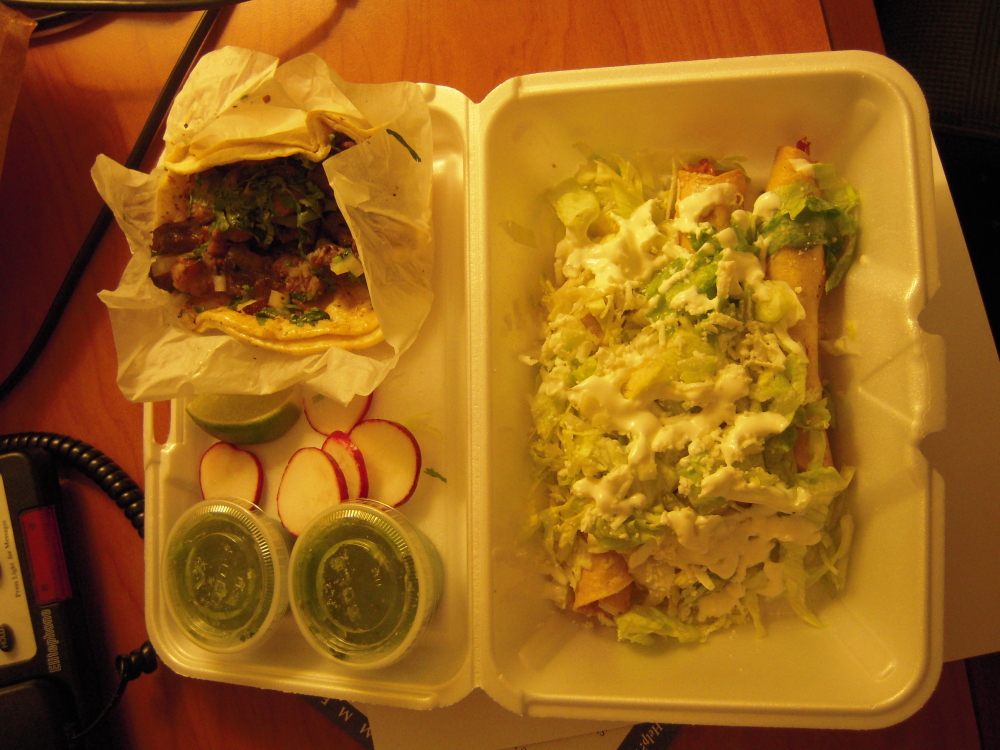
(239, 104)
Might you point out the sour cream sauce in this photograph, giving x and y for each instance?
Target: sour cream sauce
(630, 254)
(803, 166)
(691, 210)
(729, 544)
(767, 205)
(737, 271)
(635, 254)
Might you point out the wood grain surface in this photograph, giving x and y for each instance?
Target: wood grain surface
(87, 91)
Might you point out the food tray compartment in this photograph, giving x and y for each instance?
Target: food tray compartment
(427, 392)
(879, 656)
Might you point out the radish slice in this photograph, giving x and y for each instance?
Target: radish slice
(327, 415)
(392, 459)
(348, 456)
(228, 471)
(311, 483)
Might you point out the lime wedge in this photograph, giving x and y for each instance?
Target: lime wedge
(246, 419)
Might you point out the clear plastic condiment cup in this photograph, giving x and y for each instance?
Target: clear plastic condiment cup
(226, 568)
(364, 583)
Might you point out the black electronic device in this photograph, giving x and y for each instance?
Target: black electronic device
(45, 661)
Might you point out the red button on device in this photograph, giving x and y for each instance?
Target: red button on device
(46, 561)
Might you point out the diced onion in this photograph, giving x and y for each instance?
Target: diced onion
(219, 283)
(162, 264)
(350, 264)
(277, 299)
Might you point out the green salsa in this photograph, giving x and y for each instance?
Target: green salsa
(221, 574)
(363, 584)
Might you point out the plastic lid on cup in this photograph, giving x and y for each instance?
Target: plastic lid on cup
(364, 583)
(225, 568)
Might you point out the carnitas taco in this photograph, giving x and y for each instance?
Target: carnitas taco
(259, 249)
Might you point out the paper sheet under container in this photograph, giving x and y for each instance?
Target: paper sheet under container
(464, 393)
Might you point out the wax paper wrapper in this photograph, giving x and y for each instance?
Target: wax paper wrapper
(240, 104)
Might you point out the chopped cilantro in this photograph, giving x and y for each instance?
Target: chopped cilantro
(256, 197)
(265, 314)
(431, 472)
(312, 317)
(399, 138)
(247, 296)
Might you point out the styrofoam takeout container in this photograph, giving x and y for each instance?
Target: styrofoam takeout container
(463, 392)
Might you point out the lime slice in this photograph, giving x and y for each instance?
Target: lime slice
(246, 419)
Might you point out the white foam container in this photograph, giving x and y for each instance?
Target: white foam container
(463, 392)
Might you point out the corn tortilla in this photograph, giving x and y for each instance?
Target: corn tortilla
(352, 323)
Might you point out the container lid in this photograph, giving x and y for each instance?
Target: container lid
(364, 583)
(225, 567)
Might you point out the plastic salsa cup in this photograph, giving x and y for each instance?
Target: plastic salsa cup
(364, 583)
(226, 567)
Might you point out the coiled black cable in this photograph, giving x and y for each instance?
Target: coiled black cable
(129, 666)
(86, 459)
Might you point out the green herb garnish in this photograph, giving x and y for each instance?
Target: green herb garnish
(431, 472)
(246, 297)
(312, 317)
(266, 314)
(399, 138)
(257, 198)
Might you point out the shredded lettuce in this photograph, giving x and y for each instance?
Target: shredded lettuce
(792, 556)
(577, 208)
(640, 624)
(806, 220)
(670, 419)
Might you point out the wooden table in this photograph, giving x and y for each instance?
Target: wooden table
(87, 91)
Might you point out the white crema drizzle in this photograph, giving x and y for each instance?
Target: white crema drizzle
(628, 255)
(725, 544)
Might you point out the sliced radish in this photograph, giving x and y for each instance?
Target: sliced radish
(311, 483)
(348, 456)
(328, 415)
(228, 471)
(392, 459)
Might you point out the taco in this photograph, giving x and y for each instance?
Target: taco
(259, 249)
